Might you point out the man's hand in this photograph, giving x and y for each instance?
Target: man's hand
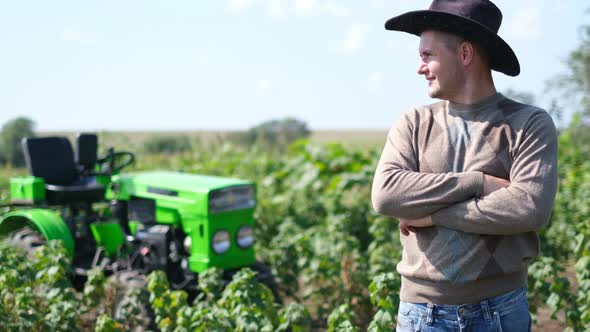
(411, 225)
(492, 183)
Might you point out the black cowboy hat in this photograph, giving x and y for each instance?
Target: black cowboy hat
(475, 20)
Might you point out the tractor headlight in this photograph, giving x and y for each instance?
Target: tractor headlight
(245, 236)
(232, 198)
(187, 244)
(220, 242)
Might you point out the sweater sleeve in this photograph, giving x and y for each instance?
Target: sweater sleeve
(400, 190)
(525, 205)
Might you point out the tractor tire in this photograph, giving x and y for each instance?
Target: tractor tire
(123, 282)
(266, 278)
(27, 239)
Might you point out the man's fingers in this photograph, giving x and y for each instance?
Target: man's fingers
(404, 229)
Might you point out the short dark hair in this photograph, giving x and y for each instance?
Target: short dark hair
(452, 41)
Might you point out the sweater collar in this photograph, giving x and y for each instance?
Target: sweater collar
(486, 103)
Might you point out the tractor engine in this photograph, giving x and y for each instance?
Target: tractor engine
(186, 223)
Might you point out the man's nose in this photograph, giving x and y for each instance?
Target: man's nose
(422, 68)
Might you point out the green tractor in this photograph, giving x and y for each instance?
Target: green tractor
(131, 224)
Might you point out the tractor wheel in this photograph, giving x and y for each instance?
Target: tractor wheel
(124, 305)
(26, 239)
(266, 278)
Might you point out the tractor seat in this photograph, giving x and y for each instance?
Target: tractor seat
(52, 159)
(75, 193)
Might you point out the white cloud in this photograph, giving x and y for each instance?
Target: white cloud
(378, 4)
(71, 36)
(305, 6)
(282, 8)
(390, 44)
(240, 4)
(356, 37)
(557, 6)
(278, 8)
(375, 82)
(335, 10)
(263, 87)
(525, 24)
(402, 43)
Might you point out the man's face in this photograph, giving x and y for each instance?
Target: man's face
(440, 63)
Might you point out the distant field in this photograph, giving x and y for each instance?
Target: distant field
(132, 140)
(350, 137)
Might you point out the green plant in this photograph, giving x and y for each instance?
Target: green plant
(36, 294)
(341, 319)
(325, 245)
(295, 317)
(11, 135)
(167, 144)
(274, 133)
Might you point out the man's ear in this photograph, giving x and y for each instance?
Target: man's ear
(467, 52)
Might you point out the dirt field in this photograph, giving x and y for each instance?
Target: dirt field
(546, 324)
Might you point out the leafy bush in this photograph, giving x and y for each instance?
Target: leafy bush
(342, 319)
(328, 249)
(295, 317)
(274, 133)
(167, 144)
(11, 136)
(36, 294)
(244, 305)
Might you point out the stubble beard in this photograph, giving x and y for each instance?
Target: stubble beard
(450, 90)
(434, 90)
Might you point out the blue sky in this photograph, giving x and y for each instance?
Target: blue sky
(231, 64)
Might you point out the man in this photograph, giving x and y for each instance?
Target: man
(471, 178)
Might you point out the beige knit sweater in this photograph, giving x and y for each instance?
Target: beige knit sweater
(433, 164)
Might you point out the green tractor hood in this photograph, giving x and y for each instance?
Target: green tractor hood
(173, 190)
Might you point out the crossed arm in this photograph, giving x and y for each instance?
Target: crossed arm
(490, 184)
(471, 202)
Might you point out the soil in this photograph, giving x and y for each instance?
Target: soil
(546, 324)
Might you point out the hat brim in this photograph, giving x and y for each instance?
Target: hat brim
(502, 57)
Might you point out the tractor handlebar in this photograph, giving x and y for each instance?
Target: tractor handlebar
(109, 163)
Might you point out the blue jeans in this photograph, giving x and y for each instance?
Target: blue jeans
(505, 313)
